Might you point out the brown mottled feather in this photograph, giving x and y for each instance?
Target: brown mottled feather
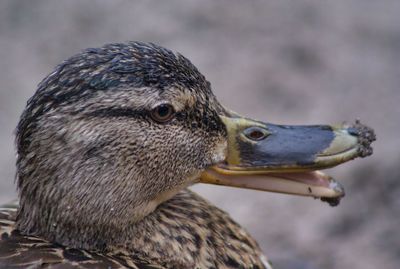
(21, 251)
(203, 236)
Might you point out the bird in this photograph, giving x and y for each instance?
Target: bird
(111, 141)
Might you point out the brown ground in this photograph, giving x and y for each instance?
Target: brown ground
(282, 61)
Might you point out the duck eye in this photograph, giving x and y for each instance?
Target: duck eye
(163, 113)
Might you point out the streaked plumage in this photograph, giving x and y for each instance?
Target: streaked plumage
(22, 251)
(186, 218)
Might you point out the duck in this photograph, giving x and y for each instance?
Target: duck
(111, 141)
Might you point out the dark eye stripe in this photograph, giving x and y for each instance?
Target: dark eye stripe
(117, 112)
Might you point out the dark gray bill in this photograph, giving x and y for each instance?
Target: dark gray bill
(282, 158)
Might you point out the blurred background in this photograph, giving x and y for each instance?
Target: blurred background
(282, 61)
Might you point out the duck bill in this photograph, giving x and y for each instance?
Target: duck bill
(286, 159)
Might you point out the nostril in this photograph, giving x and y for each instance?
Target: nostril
(255, 134)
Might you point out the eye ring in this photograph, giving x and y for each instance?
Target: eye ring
(163, 113)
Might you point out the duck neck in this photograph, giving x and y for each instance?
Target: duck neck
(183, 232)
(87, 225)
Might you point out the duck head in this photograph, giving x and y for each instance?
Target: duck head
(115, 131)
